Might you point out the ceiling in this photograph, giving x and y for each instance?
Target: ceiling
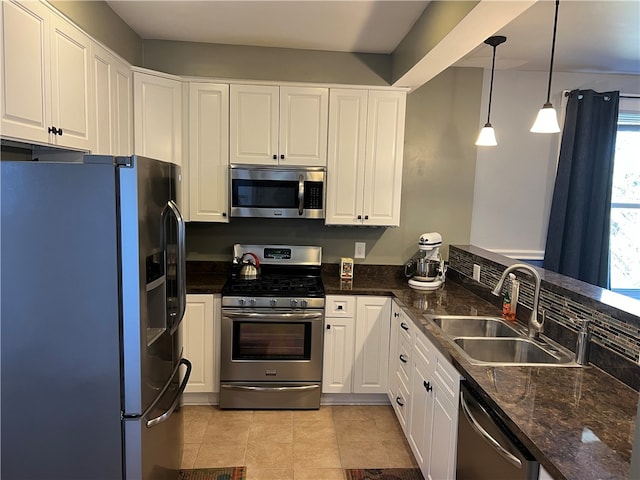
(593, 36)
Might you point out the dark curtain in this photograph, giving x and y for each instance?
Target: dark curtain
(578, 234)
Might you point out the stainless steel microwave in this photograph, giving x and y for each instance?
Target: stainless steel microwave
(277, 192)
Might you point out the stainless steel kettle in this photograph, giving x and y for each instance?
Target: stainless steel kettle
(250, 268)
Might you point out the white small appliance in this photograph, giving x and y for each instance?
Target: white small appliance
(426, 270)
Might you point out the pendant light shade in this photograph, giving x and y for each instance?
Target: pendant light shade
(547, 119)
(487, 137)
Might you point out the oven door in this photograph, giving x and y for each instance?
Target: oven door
(274, 346)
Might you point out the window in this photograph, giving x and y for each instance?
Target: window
(624, 242)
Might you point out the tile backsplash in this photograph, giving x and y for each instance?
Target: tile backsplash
(616, 331)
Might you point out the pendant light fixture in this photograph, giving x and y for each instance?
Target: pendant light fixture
(487, 137)
(547, 119)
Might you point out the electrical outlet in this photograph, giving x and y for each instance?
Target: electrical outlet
(361, 248)
(476, 272)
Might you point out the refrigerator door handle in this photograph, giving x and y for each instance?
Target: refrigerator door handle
(181, 273)
(161, 418)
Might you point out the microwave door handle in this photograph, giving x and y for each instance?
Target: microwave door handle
(180, 265)
(300, 194)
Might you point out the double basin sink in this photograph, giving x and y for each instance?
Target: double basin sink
(496, 342)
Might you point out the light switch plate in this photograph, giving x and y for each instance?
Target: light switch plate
(361, 248)
(476, 272)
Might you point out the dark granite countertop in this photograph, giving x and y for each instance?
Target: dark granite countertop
(578, 422)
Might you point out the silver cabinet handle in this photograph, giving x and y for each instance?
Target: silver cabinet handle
(300, 194)
(269, 389)
(484, 434)
(162, 418)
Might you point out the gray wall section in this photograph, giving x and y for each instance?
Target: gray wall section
(265, 63)
(98, 20)
(437, 195)
(437, 20)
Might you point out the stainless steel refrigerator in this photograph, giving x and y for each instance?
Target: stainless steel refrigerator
(92, 293)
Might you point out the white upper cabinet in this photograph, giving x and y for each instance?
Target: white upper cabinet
(208, 152)
(113, 104)
(46, 77)
(364, 164)
(158, 116)
(278, 126)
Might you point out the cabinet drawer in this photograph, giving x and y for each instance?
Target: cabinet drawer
(426, 350)
(448, 377)
(401, 405)
(406, 328)
(340, 306)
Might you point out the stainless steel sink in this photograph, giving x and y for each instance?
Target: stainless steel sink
(460, 326)
(513, 351)
(495, 342)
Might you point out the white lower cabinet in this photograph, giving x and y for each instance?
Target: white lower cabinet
(357, 330)
(201, 339)
(429, 415)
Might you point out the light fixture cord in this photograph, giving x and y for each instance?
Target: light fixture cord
(553, 50)
(493, 65)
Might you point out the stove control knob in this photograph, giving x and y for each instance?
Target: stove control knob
(294, 302)
(252, 302)
(242, 301)
(303, 303)
(273, 302)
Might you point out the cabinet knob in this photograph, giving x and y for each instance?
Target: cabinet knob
(224, 214)
(366, 217)
(282, 156)
(275, 157)
(339, 307)
(328, 327)
(60, 131)
(396, 314)
(427, 386)
(359, 217)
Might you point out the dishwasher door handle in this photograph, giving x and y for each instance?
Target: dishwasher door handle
(484, 434)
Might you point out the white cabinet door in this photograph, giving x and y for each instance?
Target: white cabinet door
(253, 124)
(364, 166)
(303, 126)
(346, 156)
(444, 434)
(198, 342)
(208, 152)
(158, 117)
(112, 97)
(25, 95)
(278, 126)
(371, 344)
(46, 77)
(384, 155)
(338, 355)
(72, 109)
(421, 415)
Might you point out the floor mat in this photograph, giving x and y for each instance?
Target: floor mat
(227, 473)
(384, 474)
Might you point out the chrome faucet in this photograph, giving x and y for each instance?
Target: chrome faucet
(535, 326)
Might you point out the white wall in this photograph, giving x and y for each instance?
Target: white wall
(514, 181)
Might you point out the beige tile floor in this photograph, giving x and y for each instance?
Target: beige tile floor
(295, 445)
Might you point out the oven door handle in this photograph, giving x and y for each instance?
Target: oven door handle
(269, 389)
(271, 316)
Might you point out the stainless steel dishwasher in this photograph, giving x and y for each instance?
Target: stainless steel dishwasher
(487, 450)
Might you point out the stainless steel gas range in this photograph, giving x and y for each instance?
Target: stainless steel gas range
(272, 330)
